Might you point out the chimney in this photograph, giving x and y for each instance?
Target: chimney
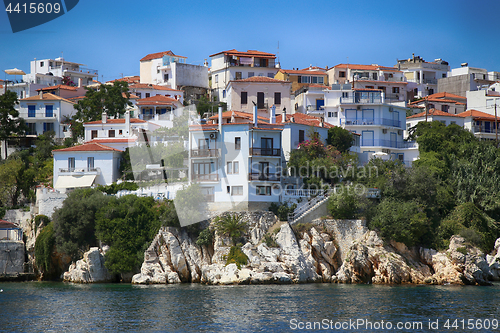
(283, 115)
(41, 94)
(292, 120)
(104, 117)
(272, 117)
(220, 119)
(79, 82)
(254, 114)
(127, 122)
(321, 122)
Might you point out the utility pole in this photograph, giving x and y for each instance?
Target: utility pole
(426, 109)
(496, 121)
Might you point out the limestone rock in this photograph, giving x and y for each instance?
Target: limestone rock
(90, 269)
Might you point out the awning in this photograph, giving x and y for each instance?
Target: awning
(15, 71)
(75, 181)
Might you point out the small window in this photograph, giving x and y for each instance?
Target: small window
(93, 134)
(228, 188)
(229, 167)
(244, 97)
(237, 143)
(342, 74)
(250, 74)
(238, 76)
(120, 132)
(395, 90)
(165, 77)
(90, 163)
(41, 63)
(237, 190)
(301, 136)
(216, 80)
(236, 167)
(71, 164)
(345, 94)
(148, 95)
(453, 122)
(31, 110)
(138, 94)
(271, 75)
(111, 133)
(277, 98)
(263, 190)
(224, 93)
(444, 75)
(321, 80)
(49, 111)
(445, 108)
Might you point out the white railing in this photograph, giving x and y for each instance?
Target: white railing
(301, 193)
(301, 210)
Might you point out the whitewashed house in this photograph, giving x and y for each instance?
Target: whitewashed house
(484, 100)
(365, 112)
(47, 112)
(236, 65)
(445, 102)
(85, 165)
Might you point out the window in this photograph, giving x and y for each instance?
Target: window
(277, 98)
(41, 63)
(369, 87)
(233, 167)
(148, 95)
(48, 127)
(332, 114)
(216, 80)
(244, 97)
(266, 145)
(71, 164)
(224, 93)
(237, 190)
(342, 74)
(238, 76)
(138, 94)
(431, 91)
(306, 79)
(321, 80)
(111, 133)
(90, 163)
(345, 94)
(229, 167)
(444, 75)
(93, 134)
(31, 129)
(157, 70)
(165, 77)
(395, 90)
(301, 136)
(31, 111)
(263, 190)
(445, 108)
(271, 75)
(453, 122)
(250, 74)
(228, 188)
(237, 143)
(314, 79)
(203, 143)
(49, 110)
(120, 132)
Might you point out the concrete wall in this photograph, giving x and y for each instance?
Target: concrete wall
(48, 201)
(458, 85)
(11, 257)
(190, 75)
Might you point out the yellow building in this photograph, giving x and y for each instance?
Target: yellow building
(303, 77)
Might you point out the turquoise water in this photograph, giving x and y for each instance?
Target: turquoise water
(63, 307)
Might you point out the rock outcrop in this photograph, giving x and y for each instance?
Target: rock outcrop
(90, 269)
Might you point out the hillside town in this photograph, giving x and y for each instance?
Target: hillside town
(231, 126)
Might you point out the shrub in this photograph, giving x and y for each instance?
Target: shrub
(301, 227)
(115, 188)
(344, 205)
(462, 250)
(205, 237)
(44, 246)
(231, 226)
(270, 241)
(282, 210)
(236, 256)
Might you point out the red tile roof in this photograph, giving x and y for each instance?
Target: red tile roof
(384, 82)
(160, 55)
(304, 119)
(111, 140)
(302, 72)
(157, 100)
(477, 115)
(367, 67)
(445, 94)
(150, 86)
(128, 79)
(116, 121)
(46, 97)
(237, 114)
(91, 146)
(59, 86)
(433, 112)
(316, 68)
(7, 225)
(249, 53)
(261, 79)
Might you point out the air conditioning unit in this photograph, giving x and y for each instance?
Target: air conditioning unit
(400, 132)
(213, 136)
(384, 130)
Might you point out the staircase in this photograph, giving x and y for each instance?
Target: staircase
(317, 205)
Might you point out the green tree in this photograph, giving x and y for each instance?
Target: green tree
(10, 123)
(44, 247)
(340, 138)
(74, 222)
(127, 225)
(232, 226)
(110, 98)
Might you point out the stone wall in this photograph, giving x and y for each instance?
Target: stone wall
(48, 201)
(11, 257)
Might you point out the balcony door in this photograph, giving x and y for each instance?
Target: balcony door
(203, 144)
(260, 100)
(263, 170)
(367, 138)
(266, 146)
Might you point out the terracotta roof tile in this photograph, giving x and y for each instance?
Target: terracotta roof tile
(477, 114)
(116, 140)
(59, 86)
(304, 72)
(237, 114)
(116, 121)
(433, 112)
(157, 100)
(128, 79)
(261, 79)
(150, 86)
(158, 55)
(7, 225)
(367, 67)
(93, 146)
(445, 94)
(46, 97)
(304, 119)
(249, 53)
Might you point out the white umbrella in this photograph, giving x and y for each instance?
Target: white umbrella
(379, 154)
(14, 71)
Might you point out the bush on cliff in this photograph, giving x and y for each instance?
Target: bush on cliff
(232, 226)
(44, 247)
(236, 256)
(281, 210)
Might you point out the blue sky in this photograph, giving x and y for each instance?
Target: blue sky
(112, 36)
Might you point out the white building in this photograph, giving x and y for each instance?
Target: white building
(445, 102)
(85, 165)
(423, 75)
(237, 65)
(388, 80)
(171, 70)
(365, 112)
(46, 112)
(465, 78)
(52, 72)
(484, 100)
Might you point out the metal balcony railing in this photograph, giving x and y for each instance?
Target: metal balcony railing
(211, 177)
(362, 98)
(388, 144)
(483, 129)
(260, 176)
(371, 121)
(80, 170)
(265, 151)
(204, 153)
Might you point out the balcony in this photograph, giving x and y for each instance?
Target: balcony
(37, 115)
(388, 144)
(265, 152)
(203, 153)
(393, 96)
(363, 98)
(211, 177)
(80, 171)
(483, 129)
(71, 69)
(259, 176)
(370, 122)
(430, 81)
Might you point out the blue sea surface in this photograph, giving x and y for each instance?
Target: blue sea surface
(66, 307)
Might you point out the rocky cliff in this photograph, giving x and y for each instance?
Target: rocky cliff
(342, 251)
